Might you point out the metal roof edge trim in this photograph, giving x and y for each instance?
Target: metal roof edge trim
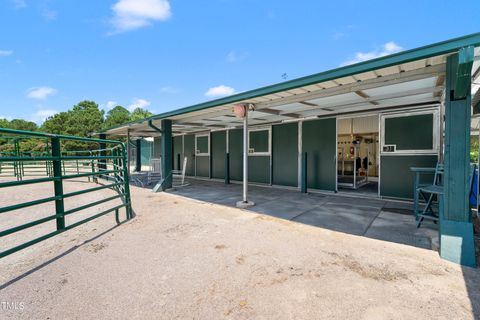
(435, 49)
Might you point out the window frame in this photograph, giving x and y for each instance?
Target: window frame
(262, 153)
(435, 134)
(197, 153)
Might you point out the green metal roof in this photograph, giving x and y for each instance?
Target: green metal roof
(436, 49)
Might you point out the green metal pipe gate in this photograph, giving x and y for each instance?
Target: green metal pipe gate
(97, 158)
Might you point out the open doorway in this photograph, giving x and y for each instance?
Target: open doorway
(357, 155)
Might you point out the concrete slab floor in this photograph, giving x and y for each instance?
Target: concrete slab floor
(380, 219)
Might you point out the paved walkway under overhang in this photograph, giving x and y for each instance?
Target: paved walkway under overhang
(374, 218)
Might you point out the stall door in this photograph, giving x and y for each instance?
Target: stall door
(285, 154)
(177, 152)
(202, 155)
(407, 140)
(189, 152)
(319, 140)
(218, 152)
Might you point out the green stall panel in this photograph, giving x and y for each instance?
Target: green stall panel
(202, 166)
(396, 179)
(258, 141)
(285, 154)
(202, 157)
(235, 147)
(177, 152)
(259, 169)
(157, 147)
(413, 132)
(146, 148)
(202, 144)
(189, 152)
(319, 140)
(219, 148)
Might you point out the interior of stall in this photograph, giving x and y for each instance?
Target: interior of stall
(358, 154)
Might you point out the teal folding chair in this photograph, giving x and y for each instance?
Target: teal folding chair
(428, 193)
(431, 192)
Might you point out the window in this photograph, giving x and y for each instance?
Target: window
(202, 145)
(414, 132)
(259, 142)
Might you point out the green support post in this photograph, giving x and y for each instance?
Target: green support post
(167, 151)
(138, 155)
(102, 163)
(303, 182)
(456, 229)
(210, 161)
(125, 177)
(227, 168)
(58, 183)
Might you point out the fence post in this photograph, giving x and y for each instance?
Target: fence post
(58, 183)
(126, 181)
(303, 185)
(138, 155)
(227, 168)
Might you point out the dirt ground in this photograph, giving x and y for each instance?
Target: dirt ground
(183, 259)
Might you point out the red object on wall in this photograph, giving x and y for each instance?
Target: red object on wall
(239, 110)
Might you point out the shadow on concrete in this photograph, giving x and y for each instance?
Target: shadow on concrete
(363, 216)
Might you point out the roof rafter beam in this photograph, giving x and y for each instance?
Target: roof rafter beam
(352, 103)
(278, 113)
(365, 96)
(412, 75)
(416, 74)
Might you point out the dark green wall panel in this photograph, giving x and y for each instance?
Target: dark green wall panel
(219, 148)
(259, 141)
(319, 141)
(285, 154)
(157, 147)
(189, 149)
(202, 144)
(203, 166)
(396, 179)
(259, 169)
(177, 150)
(235, 146)
(413, 132)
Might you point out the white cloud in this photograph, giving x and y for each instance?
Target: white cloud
(41, 115)
(169, 89)
(387, 48)
(219, 91)
(338, 35)
(234, 56)
(41, 93)
(134, 14)
(6, 118)
(19, 4)
(49, 14)
(138, 103)
(109, 105)
(6, 53)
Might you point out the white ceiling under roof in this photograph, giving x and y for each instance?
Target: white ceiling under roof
(411, 84)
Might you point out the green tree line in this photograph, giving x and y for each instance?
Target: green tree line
(81, 120)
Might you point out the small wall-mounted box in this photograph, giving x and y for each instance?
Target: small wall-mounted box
(389, 148)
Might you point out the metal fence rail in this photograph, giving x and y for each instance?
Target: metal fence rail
(104, 159)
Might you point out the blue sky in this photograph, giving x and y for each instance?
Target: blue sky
(163, 55)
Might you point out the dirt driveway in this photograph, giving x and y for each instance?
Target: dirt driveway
(185, 259)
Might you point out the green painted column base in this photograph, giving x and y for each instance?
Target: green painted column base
(457, 243)
(163, 185)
